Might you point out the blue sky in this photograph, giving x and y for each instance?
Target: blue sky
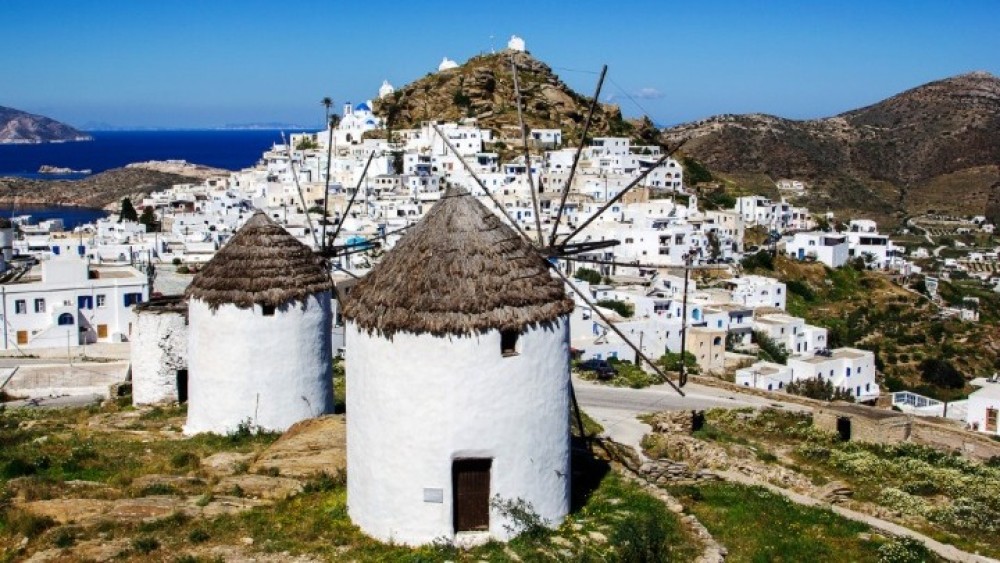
(186, 63)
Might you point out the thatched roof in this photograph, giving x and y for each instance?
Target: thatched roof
(460, 270)
(262, 264)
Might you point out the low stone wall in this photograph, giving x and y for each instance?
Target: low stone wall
(944, 436)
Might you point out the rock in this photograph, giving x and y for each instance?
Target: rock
(246, 541)
(155, 480)
(597, 537)
(226, 463)
(260, 486)
(308, 448)
(65, 511)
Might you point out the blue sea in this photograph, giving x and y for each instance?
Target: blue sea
(228, 149)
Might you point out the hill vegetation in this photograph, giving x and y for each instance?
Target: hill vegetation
(483, 88)
(891, 156)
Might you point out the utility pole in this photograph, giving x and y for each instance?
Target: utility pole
(682, 380)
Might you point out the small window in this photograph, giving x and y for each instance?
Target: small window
(267, 310)
(20, 307)
(65, 319)
(508, 342)
(39, 305)
(101, 300)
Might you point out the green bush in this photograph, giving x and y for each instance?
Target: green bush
(671, 361)
(592, 277)
(769, 349)
(819, 389)
(176, 261)
(624, 309)
(801, 289)
(761, 260)
(903, 550)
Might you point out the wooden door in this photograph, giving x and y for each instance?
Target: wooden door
(102, 331)
(470, 480)
(22, 337)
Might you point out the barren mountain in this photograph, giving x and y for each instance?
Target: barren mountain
(21, 127)
(902, 150)
(484, 88)
(100, 190)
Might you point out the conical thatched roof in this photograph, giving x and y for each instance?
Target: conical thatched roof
(460, 270)
(262, 264)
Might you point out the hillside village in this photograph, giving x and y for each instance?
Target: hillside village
(660, 274)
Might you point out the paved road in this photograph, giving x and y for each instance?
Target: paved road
(616, 408)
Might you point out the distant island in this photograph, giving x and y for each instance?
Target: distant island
(49, 169)
(20, 127)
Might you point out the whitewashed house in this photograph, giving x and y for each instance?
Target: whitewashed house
(70, 303)
(768, 376)
(758, 291)
(259, 343)
(458, 366)
(984, 408)
(850, 369)
(828, 248)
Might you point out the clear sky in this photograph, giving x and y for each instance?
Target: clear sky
(187, 63)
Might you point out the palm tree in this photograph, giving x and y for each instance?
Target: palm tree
(327, 103)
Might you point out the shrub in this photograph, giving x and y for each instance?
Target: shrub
(624, 309)
(672, 361)
(819, 389)
(761, 260)
(183, 270)
(145, 544)
(801, 289)
(522, 519)
(903, 550)
(769, 349)
(592, 277)
(198, 535)
(185, 460)
(176, 261)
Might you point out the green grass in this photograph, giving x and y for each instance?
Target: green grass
(756, 525)
(101, 444)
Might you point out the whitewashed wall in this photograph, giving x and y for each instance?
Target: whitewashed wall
(416, 403)
(269, 371)
(159, 349)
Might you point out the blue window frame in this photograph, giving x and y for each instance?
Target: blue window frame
(132, 299)
(85, 302)
(65, 319)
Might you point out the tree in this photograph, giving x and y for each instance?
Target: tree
(327, 103)
(127, 211)
(941, 373)
(148, 218)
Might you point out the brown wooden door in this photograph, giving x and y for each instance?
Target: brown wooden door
(22, 337)
(471, 494)
(102, 331)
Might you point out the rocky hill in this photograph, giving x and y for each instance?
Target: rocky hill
(21, 127)
(483, 88)
(100, 190)
(900, 150)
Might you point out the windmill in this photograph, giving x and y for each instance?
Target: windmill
(558, 246)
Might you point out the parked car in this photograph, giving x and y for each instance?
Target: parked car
(602, 368)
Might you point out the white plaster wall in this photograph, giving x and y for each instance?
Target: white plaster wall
(418, 402)
(159, 349)
(271, 371)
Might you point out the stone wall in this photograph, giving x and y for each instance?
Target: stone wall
(944, 436)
